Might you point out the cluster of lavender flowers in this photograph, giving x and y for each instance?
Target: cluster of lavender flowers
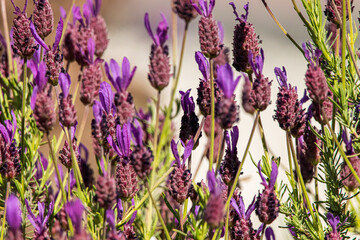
(144, 184)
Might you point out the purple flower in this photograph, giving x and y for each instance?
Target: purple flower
(40, 222)
(215, 186)
(97, 111)
(137, 133)
(187, 102)
(269, 234)
(65, 82)
(348, 143)
(38, 39)
(123, 138)
(243, 17)
(230, 164)
(333, 221)
(203, 64)
(8, 130)
(110, 218)
(258, 64)
(240, 209)
(75, 210)
(205, 9)
(273, 175)
(120, 81)
(161, 31)
(40, 80)
(186, 155)
(106, 97)
(94, 7)
(13, 212)
(226, 80)
(313, 56)
(281, 77)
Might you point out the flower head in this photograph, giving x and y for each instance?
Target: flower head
(13, 212)
(120, 81)
(204, 9)
(40, 222)
(161, 32)
(226, 81)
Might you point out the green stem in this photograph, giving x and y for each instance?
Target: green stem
(343, 52)
(156, 131)
(4, 216)
(173, 91)
(342, 153)
(216, 234)
(264, 143)
(83, 123)
(281, 27)
(23, 165)
(159, 214)
(290, 163)
(104, 226)
(262, 232)
(316, 188)
(69, 180)
(298, 172)
(221, 147)
(63, 193)
(212, 140)
(238, 174)
(68, 15)
(75, 165)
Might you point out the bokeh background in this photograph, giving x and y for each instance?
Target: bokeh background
(128, 38)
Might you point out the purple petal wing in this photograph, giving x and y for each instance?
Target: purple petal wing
(59, 31)
(2, 40)
(87, 12)
(114, 146)
(203, 6)
(269, 234)
(281, 77)
(50, 211)
(37, 37)
(62, 12)
(91, 49)
(64, 82)
(175, 152)
(196, 7)
(83, 148)
(251, 208)
(126, 138)
(162, 29)
(203, 65)
(97, 7)
(120, 209)
(187, 150)
(333, 221)
(221, 32)
(125, 74)
(110, 218)
(42, 80)
(227, 139)
(41, 209)
(4, 133)
(75, 209)
(211, 181)
(106, 96)
(77, 15)
(235, 206)
(273, 176)
(97, 111)
(115, 71)
(263, 179)
(234, 10)
(148, 27)
(33, 97)
(33, 220)
(13, 212)
(211, 6)
(234, 137)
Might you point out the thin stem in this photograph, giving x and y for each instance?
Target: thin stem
(7, 36)
(159, 214)
(75, 165)
(197, 135)
(298, 172)
(212, 140)
(4, 216)
(290, 163)
(173, 91)
(174, 37)
(238, 174)
(221, 147)
(342, 153)
(281, 27)
(343, 51)
(63, 193)
(83, 123)
(23, 124)
(156, 131)
(316, 188)
(104, 226)
(69, 185)
(215, 234)
(264, 143)
(68, 15)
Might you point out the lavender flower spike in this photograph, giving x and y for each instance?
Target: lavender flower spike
(226, 80)
(13, 212)
(242, 228)
(75, 209)
(204, 9)
(333, 221)
(40, 222)
(161, 31)
(120, 81)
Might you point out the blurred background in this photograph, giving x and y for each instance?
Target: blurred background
(128, 38)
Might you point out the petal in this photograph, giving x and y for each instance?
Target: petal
(50, 211)
(115, 71)
(97, 111)
(91, 49)
(114, 146)
(211, 181)
(234, 10)
(235, 206)
(203, 65)
(110, 218)
(64, 82)
(120, 209)
(126, 138)
(273, 176)
(203, 6)
(269, 234)
(62, 12)
(75, 209)
(42, 80)
(41, 208)
(97, 7)
(187, 150)
(196, 7)
(263, 179)
(211, 6)
(77, 15)
(37, 37)
(162, 29)
(87, 12)
(251, 208)
(221, 32)
(33, 220)
(281, 77)
(33, 97)
(106, 96)
(175, 152)
(125, 74)
(4, 133)
(59, 31)
(13, 212)
(234, 137)
(148, 28)
(227, 139)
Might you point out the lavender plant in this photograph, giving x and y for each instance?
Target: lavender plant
(144, 185)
